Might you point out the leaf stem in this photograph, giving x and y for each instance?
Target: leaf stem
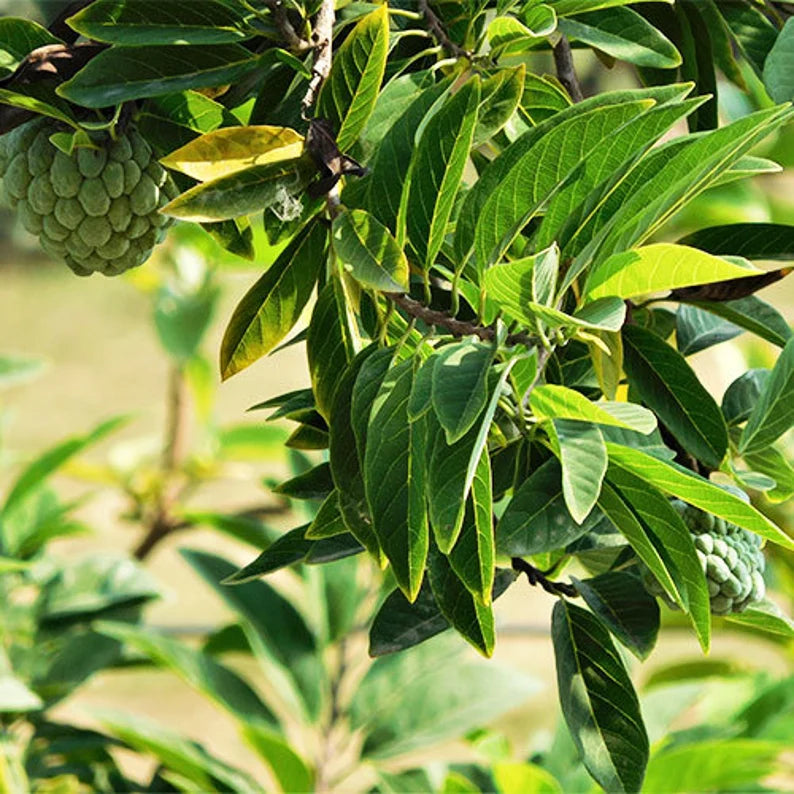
(563, 61)
(439, 31)
(322, 41)
(537, 577)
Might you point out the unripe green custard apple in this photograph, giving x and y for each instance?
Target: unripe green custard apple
(96, 209)
(730, 557)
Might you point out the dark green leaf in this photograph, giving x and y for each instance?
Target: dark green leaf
(750, 240)
(395, 477)
(598, 700)
(667, 385)
(337, 547)
(753, 32)
(330, 343)
(120, 74)
(623, 34)
(752, 314)
(465, 612)
(273, 305)
(695, 330)
(620, 602)
(18, 38)
(437, 169)
(459, 389)
(536, 519)
(150, 22)
(328, 521)
(290, 548)
(742, 395)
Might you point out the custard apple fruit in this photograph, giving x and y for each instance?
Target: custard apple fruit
(731, 559)
(97, 209)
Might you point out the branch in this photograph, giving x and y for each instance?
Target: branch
(563, 61)
(295, 42)
(439, 32)
(322, 41)
(452, 324)
(535, 576)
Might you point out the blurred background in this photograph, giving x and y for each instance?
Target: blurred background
(76, 352)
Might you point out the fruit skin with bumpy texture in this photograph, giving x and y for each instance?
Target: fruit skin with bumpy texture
(731, 559)
(97, 209)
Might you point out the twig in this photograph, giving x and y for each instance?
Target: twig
(439, 32)
(563, 61)
(295, 42)
(322, 41)
(452, 324)
(536, 576)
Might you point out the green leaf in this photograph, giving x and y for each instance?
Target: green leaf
(473, 556)
(48, 463)
(542, 97)
(677, 481)
(551, 401)
(346, 456)
(779, 66)
(712, 765)
(753, 32)
(437, 169)
(766, 616)
(514, 186)
(620, 602)
(290, 548)
(186, 758)
(289, 769)
(123, 22)
(752, 314)
(460, 386)
(664, 181)
(668, 385)
(242, 193)
(394, 476)
(672, 536)
(742, 395)
(18, 38)
(222, 152)
(750, 240)
(773, 463)
(465, 612)
(409, 700)
(598, 700)
(330, 343)
(278, 633)
(656, 268)
(696, 330)
(199, 670)
(568, 7)
(391, 160)
(773, 414)
(273, 305)
(39, 106)
(623, 34)
(524, 778)
(348, 96)
(583, 458)
(366, 249)
(18, 369)
(536, 519)
(420, 401)
(120, 74)
(500, 95)
(328, 521)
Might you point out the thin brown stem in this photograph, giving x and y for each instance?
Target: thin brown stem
(537, 577)
(566, 73)
(452, 324)
(296, 43)
(439, 32)
(322, 41)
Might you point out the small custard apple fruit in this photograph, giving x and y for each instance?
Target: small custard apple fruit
(97, 209)
(731, 559)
